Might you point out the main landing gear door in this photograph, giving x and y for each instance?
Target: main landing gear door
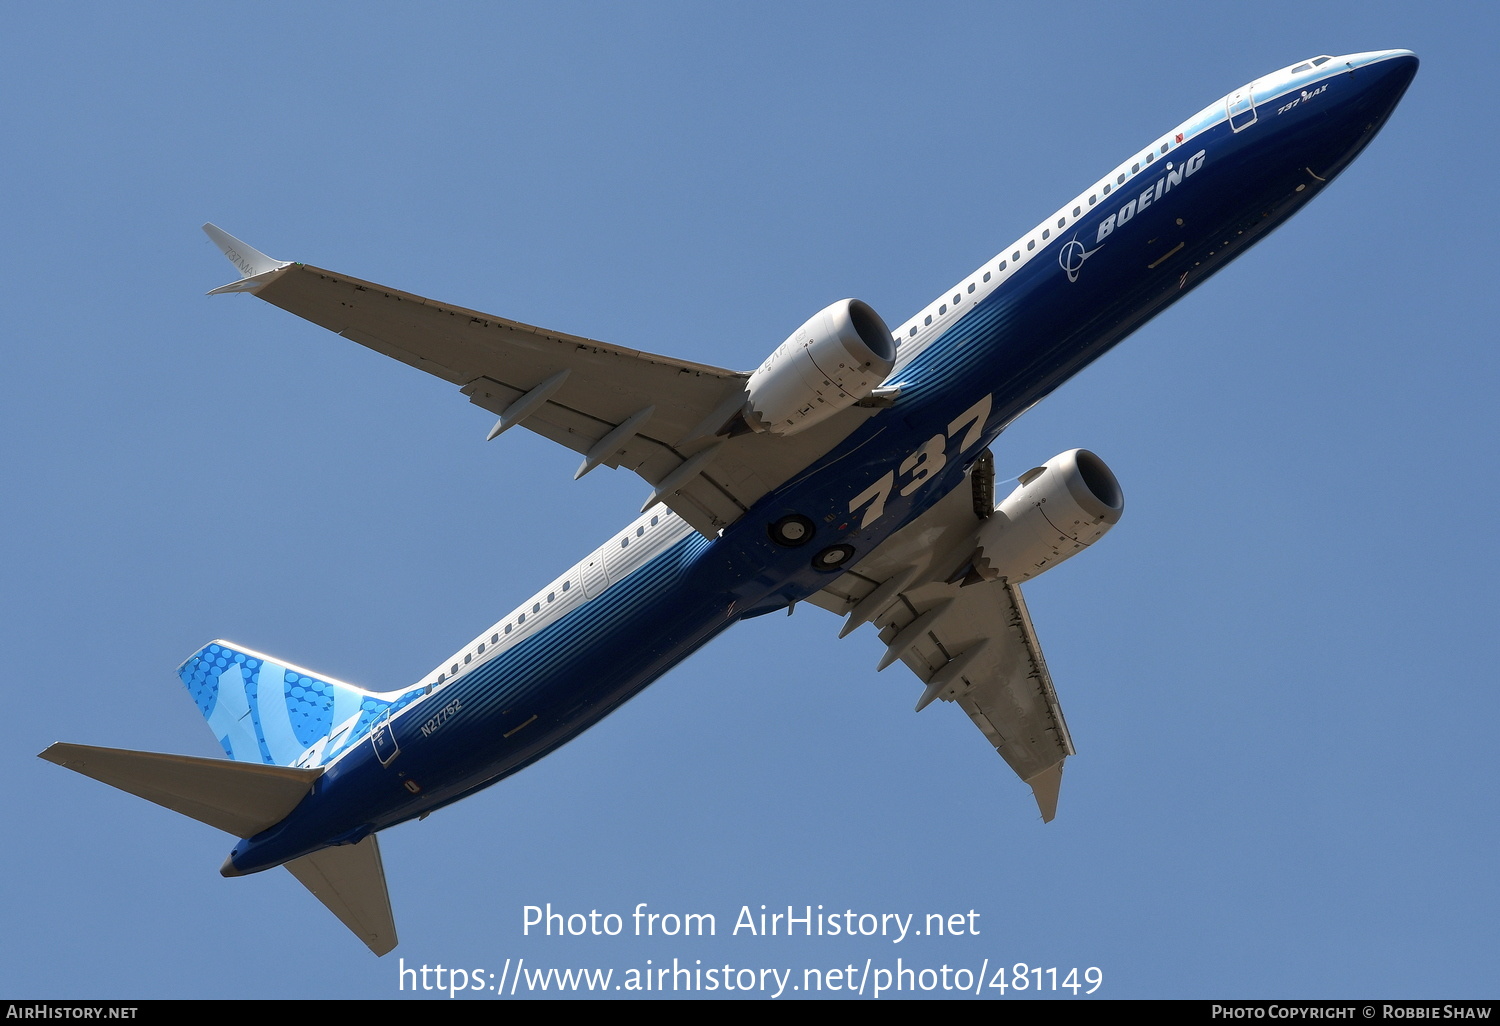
(1240, 106)
(384, 740)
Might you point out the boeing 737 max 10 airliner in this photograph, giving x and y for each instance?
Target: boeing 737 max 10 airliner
(850, 470)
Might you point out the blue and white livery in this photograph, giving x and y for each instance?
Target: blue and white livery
(850, 470)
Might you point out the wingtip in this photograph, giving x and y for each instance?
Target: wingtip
(250, 262)
(1045, 787)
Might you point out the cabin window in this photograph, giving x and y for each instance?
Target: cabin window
(551, 595)
(987, 273)
(913, 331)
(1106, 188)
(1046, 233)
(1077, 210)
(481, 649)
(971, 285)
(507, 628)
(1002, 263)
(942, 309)
(1061, 221)
(442, 677)
(521, 619)
(640, 532)
(1120, 179)
(536, 607)
(1164, 148)
(454, 669)
(957, 297)
(624, 542)
(653, 521)
(1030, 244)
(569, 584)
(927, 319)
(1133, 169)
(468, 659)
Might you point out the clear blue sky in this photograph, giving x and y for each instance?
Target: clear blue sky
(1278, 670)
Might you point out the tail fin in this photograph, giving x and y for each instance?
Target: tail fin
(270, 712)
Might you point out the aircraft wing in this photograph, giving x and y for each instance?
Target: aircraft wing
(969, 644)
(618, 407)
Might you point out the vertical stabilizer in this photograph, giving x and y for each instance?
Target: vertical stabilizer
(271, 712)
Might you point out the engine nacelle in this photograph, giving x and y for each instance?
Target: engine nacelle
(837, 358)
(1060, 509)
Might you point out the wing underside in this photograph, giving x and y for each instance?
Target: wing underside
(617, 407)
(973, 645)
(588, 389)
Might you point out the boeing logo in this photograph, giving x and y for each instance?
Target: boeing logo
(1072, 256)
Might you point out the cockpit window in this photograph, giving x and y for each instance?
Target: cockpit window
(1320, 61)
(1301, 67)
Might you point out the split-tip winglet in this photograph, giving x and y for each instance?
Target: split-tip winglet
(253, 265)
(1045, 787)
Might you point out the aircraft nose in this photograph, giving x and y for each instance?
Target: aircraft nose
(1383, 75)
(1360, 60)
(1383, 69)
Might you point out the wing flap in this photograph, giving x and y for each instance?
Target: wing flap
(1006, 690)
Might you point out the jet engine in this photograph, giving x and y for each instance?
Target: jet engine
(837, 358)
(1060, 509)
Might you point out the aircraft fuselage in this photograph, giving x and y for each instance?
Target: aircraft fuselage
(967, 366)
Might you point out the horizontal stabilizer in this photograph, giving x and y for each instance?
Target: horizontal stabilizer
(350, 880)
(241, 798)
